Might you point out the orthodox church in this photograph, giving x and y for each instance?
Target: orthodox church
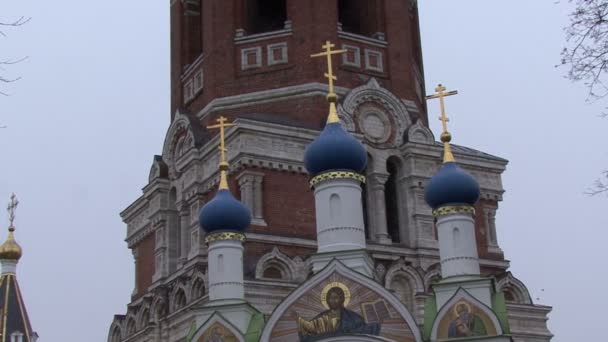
(15, 324)
(330, 211)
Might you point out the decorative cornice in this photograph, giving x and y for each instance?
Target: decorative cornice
(454, 209)
(336, 175)
(224, 236)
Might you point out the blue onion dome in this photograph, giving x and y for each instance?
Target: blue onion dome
(451, 185)
(224, 213)
(335, 149)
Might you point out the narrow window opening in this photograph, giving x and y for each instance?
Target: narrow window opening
(265, 15)
(391, 202)
(360, 16)
(192, 31)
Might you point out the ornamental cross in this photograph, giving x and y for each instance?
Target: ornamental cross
(222, 124)
(441, 93)
(12, 207)
(328, 53)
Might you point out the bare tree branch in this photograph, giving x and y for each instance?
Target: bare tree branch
(600, 186)
(3, 25)
(15, 23)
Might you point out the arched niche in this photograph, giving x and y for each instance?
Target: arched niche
(275, 265)
(405, 282)
(514, 289)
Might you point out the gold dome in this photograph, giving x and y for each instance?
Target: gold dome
(10, 249)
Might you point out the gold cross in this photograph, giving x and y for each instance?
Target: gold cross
(222, 124)
(328, 53)
(12, 207)
(441, 93)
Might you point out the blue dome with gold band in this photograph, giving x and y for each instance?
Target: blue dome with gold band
(224, 213)
(451, 185)
(335, 149)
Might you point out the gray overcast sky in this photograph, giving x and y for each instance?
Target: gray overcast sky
(92, 110)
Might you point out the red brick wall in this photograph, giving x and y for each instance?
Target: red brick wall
(144, 268)
(313, 22)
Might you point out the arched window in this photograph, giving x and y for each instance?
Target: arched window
(198, 289)
(131, 328)
(404, 291)
(265, 15)
(115, 335)
(179, 301)
(362, 17)
(145, 318)
(391, 199)
(192, 33)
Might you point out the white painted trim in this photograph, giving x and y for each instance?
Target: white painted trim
(362, 39)
(262, 36)
(357, 52)
(258, 58)
(270, 55)
(379, 55)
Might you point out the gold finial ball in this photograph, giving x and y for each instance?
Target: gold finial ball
(446, 137)
(224, 166)
(10, 249)
(332, 97)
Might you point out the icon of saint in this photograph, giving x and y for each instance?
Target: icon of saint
(336, 321)
(466, 323)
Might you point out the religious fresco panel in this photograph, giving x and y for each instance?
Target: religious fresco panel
(465, 319)
(339, 306)
(218, 333)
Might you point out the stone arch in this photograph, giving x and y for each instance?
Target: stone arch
(419, 133)
(115, 332)
(405, 281)
(159, 308)
(143, 317)
(431, 277)
(198, 286)
(131, 326)
(179, 298)
(372, 92)
(276, 260)
(514, 290)
(183, 134)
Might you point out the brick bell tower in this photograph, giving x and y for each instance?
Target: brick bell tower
(249, 60)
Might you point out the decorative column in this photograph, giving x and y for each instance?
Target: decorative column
(184, 226)
(250, 183)
(492, 238)
(375, 188)
(136, 266)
